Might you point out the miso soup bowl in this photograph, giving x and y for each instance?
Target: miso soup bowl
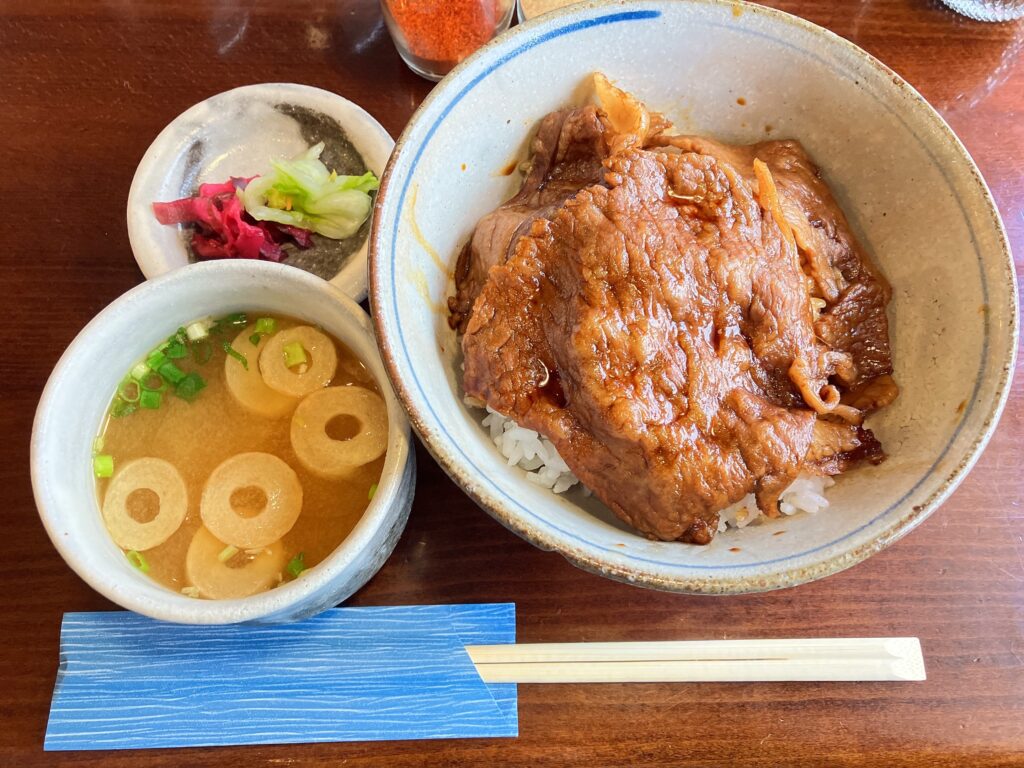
(76, 397)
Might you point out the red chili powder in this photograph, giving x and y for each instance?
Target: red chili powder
(446, 30)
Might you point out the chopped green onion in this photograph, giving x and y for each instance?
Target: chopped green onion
(150, 399)
(236, 319)
(255, 339)
(137, 560)
(154, 382)
(129, 391)
(296, 565)
(294, 354)
(103, 465)
(190, 591)
(227, 553)
(97, 445)
(171, 372)
(266, 325)
(235, 354)
(199, 330)
(189, 387)
(147, 380)
(121, 408)
(175, 349)
(156, 359)
(202, 351)
(139, 372)
(372, 493)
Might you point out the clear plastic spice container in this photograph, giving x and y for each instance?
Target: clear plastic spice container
(432, 36)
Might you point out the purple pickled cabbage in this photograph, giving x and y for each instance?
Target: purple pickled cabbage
(223, 230)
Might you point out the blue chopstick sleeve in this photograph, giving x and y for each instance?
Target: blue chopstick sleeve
(349, 674)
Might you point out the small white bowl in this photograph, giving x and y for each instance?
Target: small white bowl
(79, 389)
(742, 73)
(238, 133)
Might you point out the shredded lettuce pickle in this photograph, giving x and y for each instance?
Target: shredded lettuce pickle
(304, 193)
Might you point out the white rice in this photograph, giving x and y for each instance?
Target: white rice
(529, 450)
(540, 462)
(805, 494)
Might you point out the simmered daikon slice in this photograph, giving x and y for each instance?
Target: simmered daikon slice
(298, 361)
(245, 525)
(155, 476)
(326, 456)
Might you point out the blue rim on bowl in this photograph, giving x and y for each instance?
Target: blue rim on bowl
(401, 338)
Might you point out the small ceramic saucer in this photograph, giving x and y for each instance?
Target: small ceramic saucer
(239, 133)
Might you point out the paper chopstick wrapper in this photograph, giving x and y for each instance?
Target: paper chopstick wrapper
(829, 659)
(349, 674)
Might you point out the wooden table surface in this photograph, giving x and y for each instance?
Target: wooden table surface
(86, 85)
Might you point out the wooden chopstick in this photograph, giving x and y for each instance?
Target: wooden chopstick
(809, 659)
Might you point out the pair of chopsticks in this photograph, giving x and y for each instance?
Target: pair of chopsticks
(830, 659)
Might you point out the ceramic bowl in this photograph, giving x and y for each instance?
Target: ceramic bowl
(75, 400)
(739, 72)
(238, 133)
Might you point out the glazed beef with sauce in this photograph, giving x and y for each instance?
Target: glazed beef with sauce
(566, 156)
(688, 322)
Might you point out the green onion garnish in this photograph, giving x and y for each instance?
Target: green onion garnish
(97, 445)
(137, 560)
(154, 382)
(190, 591)
(255, 339)
(121, 408)
(227, 553)
(373, 491)
(171, 372)
(202, 351)
(144, 385)
(150, 399)
(139, 372)
(155, 359)
(103, 465)
(175, 349)
(294, 354)
(189, 387)
(129, 391)
(266, 325)
(199, 330)
(296, 565)
(235, 354)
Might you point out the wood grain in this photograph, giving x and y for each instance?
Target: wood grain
(86, 86)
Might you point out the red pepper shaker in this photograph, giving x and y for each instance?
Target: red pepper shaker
(432, 36)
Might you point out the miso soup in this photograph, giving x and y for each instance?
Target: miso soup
(238, 454)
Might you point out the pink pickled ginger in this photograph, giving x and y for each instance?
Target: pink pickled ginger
(222, 228)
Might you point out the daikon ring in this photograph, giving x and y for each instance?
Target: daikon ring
(300, 381)
(265, 472)
(323, 455)
(220, 580)
(246, 384)
(158, 476)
